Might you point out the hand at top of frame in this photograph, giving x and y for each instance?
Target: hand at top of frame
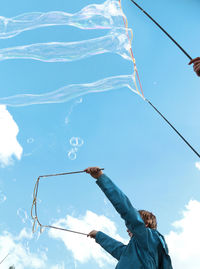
(196, 65)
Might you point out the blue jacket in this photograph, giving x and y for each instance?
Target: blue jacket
(146, 249)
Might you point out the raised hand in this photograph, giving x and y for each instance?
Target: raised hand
(95, 172)
(92, 234)
(196, 65)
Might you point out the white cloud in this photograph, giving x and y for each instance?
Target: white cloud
(184, 242)
(197, 164)
(19, 255)
(9, 145)
(24, 234)
(58, 266)
(84, 248)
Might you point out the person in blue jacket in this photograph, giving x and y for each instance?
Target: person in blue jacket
(147, 248)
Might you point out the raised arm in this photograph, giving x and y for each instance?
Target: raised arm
(112, 246)
(123, 206)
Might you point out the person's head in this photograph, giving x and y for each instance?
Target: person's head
(148, 218)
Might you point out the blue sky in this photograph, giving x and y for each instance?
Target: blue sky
(120, 132)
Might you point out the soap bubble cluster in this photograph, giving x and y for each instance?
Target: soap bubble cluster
(76, 143)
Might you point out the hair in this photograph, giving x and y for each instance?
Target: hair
(148, 218)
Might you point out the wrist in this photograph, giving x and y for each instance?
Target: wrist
(100, 174)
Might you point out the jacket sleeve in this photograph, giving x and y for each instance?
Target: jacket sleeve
(127, 212)
(112, 246)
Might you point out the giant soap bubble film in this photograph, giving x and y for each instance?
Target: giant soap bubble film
(70, 98)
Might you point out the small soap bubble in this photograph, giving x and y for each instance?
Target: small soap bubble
(79, 101)
(39, 201)
(42, 229)
(197, 164)
(58, 210)
(2, 197)
(66, 120)
(76, 141)
(22, 215)
(30, 140)
(72, 154)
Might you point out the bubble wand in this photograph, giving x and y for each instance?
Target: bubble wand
(34, 204)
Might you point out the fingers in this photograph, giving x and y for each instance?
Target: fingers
(92, 234)
(196, 67)
(89, 235)
(95, 172)
(194, 60)
(90, 170)
(87, 170)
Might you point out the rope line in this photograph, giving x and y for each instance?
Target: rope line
(173, 128)
(132, 55)
(162, 29)
(136, 72)
(34, 212)
(4, 258)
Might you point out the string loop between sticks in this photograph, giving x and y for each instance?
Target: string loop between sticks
(34, 214)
